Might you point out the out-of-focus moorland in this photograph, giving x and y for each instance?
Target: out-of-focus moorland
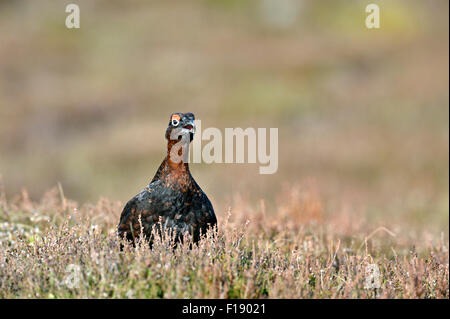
(363, 115)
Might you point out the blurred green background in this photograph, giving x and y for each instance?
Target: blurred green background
(363, 115)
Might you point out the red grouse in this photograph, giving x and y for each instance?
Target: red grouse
(173, 199)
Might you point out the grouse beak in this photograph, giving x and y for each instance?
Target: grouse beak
(190, 127)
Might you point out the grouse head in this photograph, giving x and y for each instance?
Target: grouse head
(181, 126)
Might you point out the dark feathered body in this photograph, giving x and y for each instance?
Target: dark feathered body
(172, 198)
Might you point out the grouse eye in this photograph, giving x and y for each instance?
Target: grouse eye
(175, 120)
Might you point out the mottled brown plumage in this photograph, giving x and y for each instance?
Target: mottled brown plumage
(172, 198)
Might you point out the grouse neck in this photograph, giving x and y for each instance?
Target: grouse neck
(174, 158)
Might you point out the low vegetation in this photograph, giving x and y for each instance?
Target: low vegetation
(56, 249)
